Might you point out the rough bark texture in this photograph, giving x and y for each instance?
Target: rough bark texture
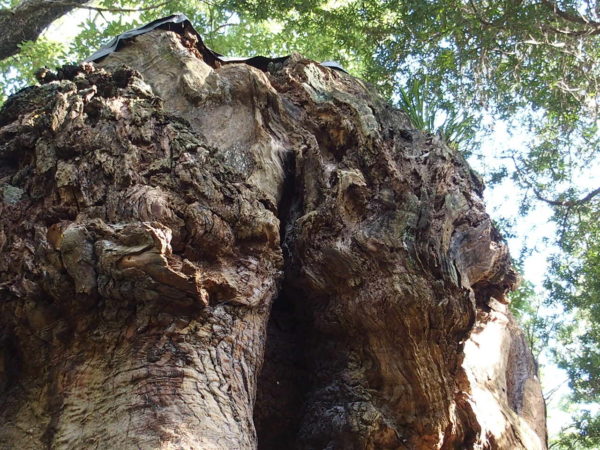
(162, 225)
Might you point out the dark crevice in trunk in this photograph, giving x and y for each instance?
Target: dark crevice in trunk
(289, 206)
(283, 381)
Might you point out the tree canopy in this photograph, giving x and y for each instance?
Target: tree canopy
(530, 63)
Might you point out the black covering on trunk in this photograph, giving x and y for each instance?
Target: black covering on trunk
(179, 23)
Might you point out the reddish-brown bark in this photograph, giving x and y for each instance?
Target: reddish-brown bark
(150, 218)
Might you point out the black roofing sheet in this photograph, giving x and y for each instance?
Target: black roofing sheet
(180, 23)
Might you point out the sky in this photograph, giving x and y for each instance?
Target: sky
(535, 231)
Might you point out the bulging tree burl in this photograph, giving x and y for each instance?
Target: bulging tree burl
(197, 254)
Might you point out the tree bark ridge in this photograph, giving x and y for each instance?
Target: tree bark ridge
(150, 217)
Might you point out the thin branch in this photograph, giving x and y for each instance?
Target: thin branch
(547, 396)
(541, 197)
(573, 33)
(104, 9)
(553, 444)
(220, 27)
(579, 19)
(567, 203)
(499, 22)
(479, 16)
(533, 41)
(592, 27)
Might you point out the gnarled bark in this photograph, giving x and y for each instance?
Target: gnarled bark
(150, 218)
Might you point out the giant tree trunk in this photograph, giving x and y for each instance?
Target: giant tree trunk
(221, 257)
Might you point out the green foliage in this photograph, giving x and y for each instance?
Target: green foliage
(583, 433)
(7, 4)
(575, 284)
(527, 305)
(18, 71)
(456, 129)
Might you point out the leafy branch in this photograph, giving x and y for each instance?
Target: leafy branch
(554, 202)
(105, 9)
(579, 19)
